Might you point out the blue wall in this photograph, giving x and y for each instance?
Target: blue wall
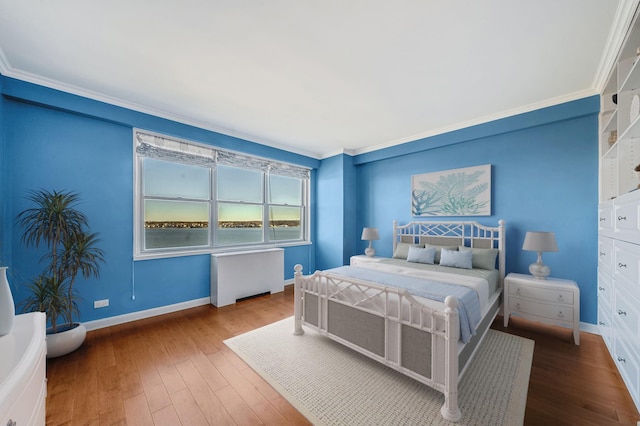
(55, 140)
(544, 177)
(336, 212)
(544, 166)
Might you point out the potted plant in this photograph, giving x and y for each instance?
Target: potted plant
(72, 249)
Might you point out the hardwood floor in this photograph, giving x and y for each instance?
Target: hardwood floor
(174, 369)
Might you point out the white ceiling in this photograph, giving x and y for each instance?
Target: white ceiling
(317, 77)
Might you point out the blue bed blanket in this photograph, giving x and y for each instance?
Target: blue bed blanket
(468, 307)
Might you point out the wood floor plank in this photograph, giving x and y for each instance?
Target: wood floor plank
(179, 368)
(209, 372)
(237, 407)
(154, 389)
(166, 417)
(187, 409)
(211, 407)
(137, 411)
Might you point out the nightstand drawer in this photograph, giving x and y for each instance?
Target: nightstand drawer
(543, 294)
(555, 312)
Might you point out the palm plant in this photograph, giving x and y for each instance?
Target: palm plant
(57, 223)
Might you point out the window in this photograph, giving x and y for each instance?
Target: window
(193, 198)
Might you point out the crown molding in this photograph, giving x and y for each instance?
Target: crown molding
(4, 63)
(621, 22)
(482, 120)
(8, 71)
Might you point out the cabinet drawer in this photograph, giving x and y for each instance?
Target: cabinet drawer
(543, 294)
(626, 314)
(605, 217)
(555, 312)
(627, 261)
(627, 217)
(605, 289)
(605, 326)
(625, 358)
(605, 253)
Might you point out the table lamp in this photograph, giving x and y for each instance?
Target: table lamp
(370, 234)
(540, 242)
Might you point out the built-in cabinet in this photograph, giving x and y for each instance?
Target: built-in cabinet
(619, 213)
(619, 285)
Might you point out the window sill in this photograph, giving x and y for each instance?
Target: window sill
(165, 255)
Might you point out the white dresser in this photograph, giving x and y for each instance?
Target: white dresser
(551, 301)
(619, 285)
(23, 386)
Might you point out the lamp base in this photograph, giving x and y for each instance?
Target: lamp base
(539, 270)
(369, 251)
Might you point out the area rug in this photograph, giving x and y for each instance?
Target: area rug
(334, 385)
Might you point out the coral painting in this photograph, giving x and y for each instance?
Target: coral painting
(458, 192)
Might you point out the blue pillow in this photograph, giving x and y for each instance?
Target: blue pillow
(455, 258)
(421, 255)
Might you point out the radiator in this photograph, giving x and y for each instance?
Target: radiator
(240, 274)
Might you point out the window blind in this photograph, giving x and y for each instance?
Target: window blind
(167, 149)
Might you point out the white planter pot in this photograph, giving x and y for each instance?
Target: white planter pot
(64, 342)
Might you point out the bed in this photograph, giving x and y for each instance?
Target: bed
(422, 312)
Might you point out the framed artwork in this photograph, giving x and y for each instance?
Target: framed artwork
(456, 192)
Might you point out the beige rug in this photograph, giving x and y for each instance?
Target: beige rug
(334, 385)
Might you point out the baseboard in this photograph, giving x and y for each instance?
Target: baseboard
(148, 313)
(589, 328)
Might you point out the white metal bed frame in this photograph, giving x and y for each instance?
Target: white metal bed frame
(316, 293)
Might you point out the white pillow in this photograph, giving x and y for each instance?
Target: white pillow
(421, 255)
(455, 258)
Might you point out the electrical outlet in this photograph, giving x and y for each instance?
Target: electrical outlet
(101, 303)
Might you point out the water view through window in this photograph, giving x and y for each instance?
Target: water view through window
(189, 204)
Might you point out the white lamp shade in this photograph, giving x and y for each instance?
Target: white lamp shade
(370, 234)
(540, 241)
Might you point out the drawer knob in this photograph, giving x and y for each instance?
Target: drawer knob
(11, 422)
(518, 290)
(622, 218)
(601, 288)
(622, 265)
(560, 298)
(621, 312)
(603, 253)
(603, 219)
(560, 314)
(621, 359)
(517, 306)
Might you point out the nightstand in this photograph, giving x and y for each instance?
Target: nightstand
(551, 301)
(363, 258)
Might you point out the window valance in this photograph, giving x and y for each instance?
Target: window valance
(163, 148)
